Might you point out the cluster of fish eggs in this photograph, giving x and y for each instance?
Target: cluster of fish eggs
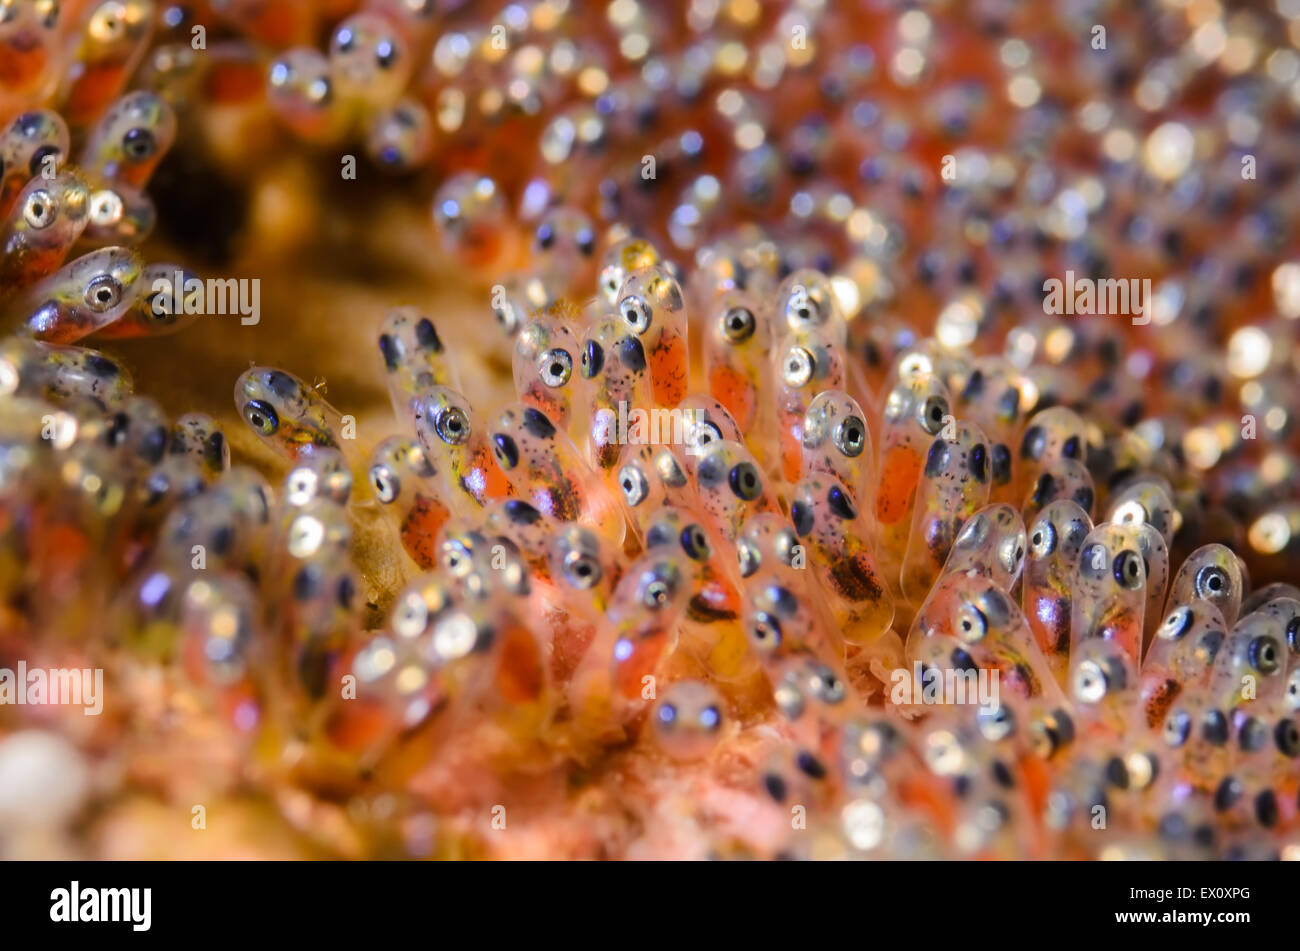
(814, 240)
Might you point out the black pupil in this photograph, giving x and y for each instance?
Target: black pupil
(556, 369)
(139, 142)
